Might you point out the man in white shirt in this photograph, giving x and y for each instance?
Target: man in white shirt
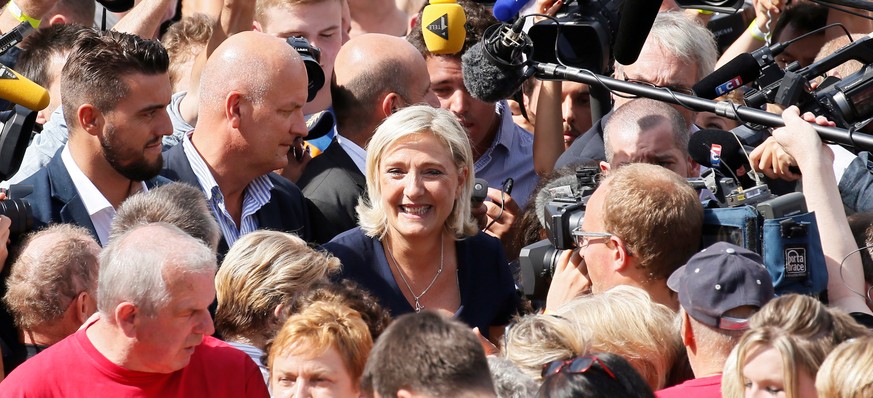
(116, 89)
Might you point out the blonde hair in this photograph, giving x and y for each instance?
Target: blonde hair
(418, 119)
(796, 352)
(808, 318)
(535, 340)
(625, 321)
(801, 328)
(847, 372)
(320, 327)
(262, 270)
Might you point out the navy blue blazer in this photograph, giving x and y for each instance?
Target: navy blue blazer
(286, 211)
(488, 295)
(55, 199)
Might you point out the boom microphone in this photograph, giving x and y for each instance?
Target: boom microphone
(493, 69)
(637, 17)
(19, 90)
(505, 10)
(744, 68)
(442, 26)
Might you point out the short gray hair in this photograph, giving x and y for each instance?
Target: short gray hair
(133, 267)
(176, 203)
(642, 114)
(408, 121)
(686, 39)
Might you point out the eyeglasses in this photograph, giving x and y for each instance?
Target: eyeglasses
(582, 238)
(575, 366)
(675, 89)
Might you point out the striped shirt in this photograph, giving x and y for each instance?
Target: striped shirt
(256, 194)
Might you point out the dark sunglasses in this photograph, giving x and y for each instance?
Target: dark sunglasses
(575, 366)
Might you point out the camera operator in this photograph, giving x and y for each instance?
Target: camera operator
(641, 224)
(648, 131)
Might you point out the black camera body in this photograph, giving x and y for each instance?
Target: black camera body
(311, 56)
(583, 36)
(562, 214)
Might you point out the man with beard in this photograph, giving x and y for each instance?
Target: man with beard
(116, 89)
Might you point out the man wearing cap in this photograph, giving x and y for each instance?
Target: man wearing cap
(247, 124)
(719, 289)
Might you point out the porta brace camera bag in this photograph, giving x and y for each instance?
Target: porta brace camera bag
(790, 246)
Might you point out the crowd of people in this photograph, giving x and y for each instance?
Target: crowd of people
(209, 221)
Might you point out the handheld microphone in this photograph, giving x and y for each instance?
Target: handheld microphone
(505, 10)
(20, 90)
(720, 150)
(442, 26)
(637, 17)
(493, 69)
(744, 68)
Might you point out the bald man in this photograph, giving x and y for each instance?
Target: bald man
(375, 75)
(253, 89)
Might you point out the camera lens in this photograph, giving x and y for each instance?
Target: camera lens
(20, 213)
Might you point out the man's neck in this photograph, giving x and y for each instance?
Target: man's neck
(479, 148)
(232, 179)
(360, 135)
(705, 363)
(110, 342)
(93, 164)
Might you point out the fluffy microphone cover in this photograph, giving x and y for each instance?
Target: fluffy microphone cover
(484, 79)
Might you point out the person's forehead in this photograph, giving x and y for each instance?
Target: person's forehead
(440, 68)
(304, 16)
(659, 66)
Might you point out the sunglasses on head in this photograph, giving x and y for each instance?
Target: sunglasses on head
(575, 366)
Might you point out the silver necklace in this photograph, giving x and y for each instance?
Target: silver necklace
(417, 298)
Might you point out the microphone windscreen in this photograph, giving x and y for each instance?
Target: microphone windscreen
(485, 80)
(739, 71)
(442, 27)
(19, 90)
(506, 10)
(731, 154)
(637, 17)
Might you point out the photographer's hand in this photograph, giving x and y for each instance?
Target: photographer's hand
(569, 281)
(771, 159)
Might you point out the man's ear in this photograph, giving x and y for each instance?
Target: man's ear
(90, 119)
(404, 393)
(232, 108)
(127, 318)
(693, 168)
(56, 19)
(621, 256)
(604, 167)
(390, 104)
(83, 305)
(687, 334)
(256, 26)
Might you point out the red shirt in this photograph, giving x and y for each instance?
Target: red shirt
(74, 368)
(704, 387)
